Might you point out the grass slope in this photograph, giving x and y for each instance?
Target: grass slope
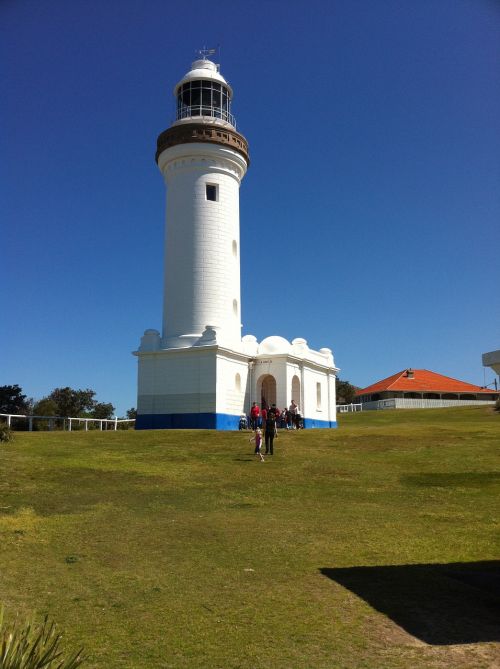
(368, 546)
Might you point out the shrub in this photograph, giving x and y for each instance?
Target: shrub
(497, 404)
(6, 433)
(34, 646)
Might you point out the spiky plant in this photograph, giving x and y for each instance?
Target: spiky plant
(5, 432)
(34, 646)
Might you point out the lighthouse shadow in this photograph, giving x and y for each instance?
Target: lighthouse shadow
(440, 604)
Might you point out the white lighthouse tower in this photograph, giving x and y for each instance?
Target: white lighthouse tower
(200, 372)
(203, 160)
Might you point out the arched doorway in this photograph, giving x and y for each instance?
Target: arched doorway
(266, 390)
(296, 391)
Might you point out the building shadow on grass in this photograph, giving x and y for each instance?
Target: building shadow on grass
(440, 604)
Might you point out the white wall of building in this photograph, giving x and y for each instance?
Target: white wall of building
(180, 381)
(232, 383)
(332, 396)
(315, 394)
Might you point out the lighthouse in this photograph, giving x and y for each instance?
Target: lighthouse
(203, 160)
(200, 372)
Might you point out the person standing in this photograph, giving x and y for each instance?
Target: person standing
(298, 419)
(293, 409)
(263, 416)
(254, 416)
(270, 432)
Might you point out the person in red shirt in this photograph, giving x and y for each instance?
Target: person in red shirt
(263, 413)
(254, 416)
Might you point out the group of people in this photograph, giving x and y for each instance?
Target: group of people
(270, 419)
(289, 419)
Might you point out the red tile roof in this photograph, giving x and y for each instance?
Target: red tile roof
(423, 381)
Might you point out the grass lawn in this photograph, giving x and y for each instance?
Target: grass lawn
(374, 545)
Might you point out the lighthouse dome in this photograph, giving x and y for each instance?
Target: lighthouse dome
(203, 70)
(275, 345)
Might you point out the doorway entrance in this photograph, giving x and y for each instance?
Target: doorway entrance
(266, 390)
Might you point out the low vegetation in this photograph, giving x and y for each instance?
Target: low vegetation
(33, 645)
(372, 546)
(6, 433)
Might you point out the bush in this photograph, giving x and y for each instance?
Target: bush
(6, 433)
(34, 646)
(497, 404)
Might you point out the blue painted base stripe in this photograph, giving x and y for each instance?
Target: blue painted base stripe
(187, 421)
(205, 421)
(314, 422)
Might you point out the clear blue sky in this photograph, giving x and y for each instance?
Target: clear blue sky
(370, 215)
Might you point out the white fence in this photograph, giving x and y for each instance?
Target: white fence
(347, 408)
(66, 421)
(407, 403)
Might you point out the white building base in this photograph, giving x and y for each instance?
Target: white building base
(207, 386)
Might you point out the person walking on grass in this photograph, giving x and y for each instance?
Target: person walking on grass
(257, 439)
(270, 432)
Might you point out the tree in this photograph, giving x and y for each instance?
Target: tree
(131, 413)
(346, 393)
(29, 406)
(72, 402)
(12, 400)
(45, 407)
(102, 410)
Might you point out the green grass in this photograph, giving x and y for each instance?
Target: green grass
(178, 549)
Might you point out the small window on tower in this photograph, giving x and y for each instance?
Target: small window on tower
(212, 192)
